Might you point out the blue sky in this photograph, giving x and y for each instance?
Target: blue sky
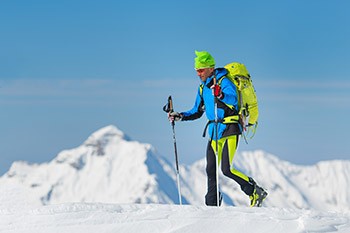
(68, 68)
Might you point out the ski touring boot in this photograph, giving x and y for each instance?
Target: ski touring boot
(258, 195)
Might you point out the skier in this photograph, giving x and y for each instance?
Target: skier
(227, 132)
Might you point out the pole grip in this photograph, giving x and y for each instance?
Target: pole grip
(170, 104)
(168, 107)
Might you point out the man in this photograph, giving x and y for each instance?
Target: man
(228, 128)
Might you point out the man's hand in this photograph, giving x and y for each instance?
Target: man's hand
(174, 116)
(217, 91)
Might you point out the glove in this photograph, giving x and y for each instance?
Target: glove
(174, 116)
(217, 91)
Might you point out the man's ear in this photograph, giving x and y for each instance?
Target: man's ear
(211, 70)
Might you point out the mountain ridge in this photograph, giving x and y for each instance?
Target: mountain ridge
(110, 167)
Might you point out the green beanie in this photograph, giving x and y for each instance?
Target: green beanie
(203, 60)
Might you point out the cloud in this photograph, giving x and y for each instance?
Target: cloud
(168, 82)
(335, 93)
(108, 91)
(304, 84)
(82, 92)
(45, 87)
(58, 92)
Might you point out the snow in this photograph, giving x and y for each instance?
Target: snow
(114, 184)
(153, 218)
(18, 214)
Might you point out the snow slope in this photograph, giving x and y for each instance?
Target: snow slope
(152, 218)
(111, 168)
(18, 215)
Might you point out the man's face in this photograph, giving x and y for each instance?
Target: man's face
(204, 73)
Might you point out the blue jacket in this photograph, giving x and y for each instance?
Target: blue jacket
(205, 103)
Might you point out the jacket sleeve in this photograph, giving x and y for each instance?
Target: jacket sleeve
(197, 110)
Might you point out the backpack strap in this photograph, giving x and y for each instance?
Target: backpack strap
(220, 80)
(219, 83)
(234, 119)
(201, 86)
(227, 120)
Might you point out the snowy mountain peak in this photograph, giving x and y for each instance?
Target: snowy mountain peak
(105, 135)
(101, 138)
(96, 145)
(109, 167)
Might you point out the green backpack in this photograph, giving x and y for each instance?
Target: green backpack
(247, 100)
(248, 110)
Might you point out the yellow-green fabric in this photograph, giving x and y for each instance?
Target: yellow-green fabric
(203, 60)
(248, 102)
(231, 142)
(237, 69)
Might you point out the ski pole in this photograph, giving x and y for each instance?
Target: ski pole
(216, 145)
(168, 108)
